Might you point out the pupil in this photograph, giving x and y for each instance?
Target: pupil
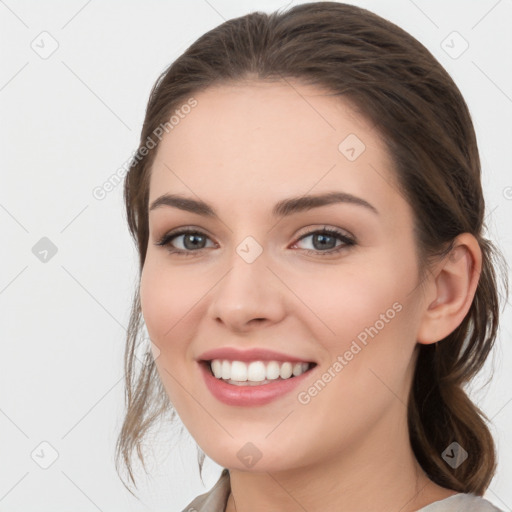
(191, 238)
(323, 238)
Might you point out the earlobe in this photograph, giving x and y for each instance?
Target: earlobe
(453, 285)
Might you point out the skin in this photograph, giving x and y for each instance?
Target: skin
(242, 149)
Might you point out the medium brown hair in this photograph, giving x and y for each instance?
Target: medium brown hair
(396, 83)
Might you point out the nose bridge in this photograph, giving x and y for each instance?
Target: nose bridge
(247, 292)
(248, 267)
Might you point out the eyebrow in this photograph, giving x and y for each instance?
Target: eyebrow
(283, 208)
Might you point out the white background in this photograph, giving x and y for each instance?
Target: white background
(68, 122)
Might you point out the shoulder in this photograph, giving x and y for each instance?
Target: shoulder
(461, 503)
(215, 499)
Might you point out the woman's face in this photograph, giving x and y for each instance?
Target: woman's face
(254, 278)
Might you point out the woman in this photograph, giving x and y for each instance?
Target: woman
(314, 278)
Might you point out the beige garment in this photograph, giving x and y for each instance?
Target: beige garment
(216, 498)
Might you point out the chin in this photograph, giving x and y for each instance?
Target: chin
(251, 457)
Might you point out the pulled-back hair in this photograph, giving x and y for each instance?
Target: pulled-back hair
(395, 82)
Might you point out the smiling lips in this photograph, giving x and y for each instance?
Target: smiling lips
(253, 365)
(251, 377)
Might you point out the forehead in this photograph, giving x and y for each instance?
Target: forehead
(274, 138)
(285, 118)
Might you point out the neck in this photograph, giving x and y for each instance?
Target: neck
(380, 475)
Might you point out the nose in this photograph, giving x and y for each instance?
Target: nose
(249, 295)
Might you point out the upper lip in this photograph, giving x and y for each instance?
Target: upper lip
(253, 354)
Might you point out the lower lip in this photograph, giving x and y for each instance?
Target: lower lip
(231, 394)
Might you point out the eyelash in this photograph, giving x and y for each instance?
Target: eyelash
(347, 241)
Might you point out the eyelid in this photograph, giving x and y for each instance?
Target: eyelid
(325, 228)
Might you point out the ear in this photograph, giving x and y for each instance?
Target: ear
(450, 290)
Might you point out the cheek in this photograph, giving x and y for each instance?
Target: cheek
(365, 315)
(167, 300)
(169, 303)
(375, 332)
(346, 301)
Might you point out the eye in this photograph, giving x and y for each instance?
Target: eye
(192, 240)
(324, 241)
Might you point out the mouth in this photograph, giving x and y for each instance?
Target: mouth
(255, 373)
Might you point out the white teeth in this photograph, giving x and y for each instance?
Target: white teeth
(286, 370)
(272, 370)
(216, 366)
(238, 371)
(256, 371)
(298, 369)
(226, 370)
